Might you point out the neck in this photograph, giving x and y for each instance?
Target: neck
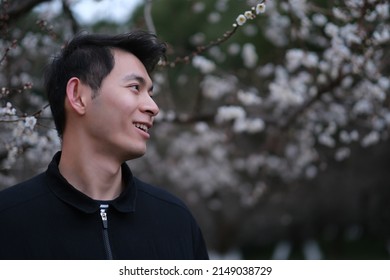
(95, 175)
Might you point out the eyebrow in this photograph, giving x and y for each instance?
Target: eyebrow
(141, 80)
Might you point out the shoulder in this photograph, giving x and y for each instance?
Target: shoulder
(23, 193)
(170, 211)
(158, 195)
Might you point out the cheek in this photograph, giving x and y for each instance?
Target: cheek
(119, 118)
(115, 113)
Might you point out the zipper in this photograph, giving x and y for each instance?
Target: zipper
(106, 240)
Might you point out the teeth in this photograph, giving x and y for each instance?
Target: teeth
(141, 126)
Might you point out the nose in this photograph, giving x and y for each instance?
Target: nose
(150, 106)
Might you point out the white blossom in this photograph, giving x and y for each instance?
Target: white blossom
(249, 15)
(278, 30)
(382, 36)
(11, 158)
(331, 29)
(370, 139)
(229, 113)
(234, 49)
(345, 137)
(350, 33)
(326, 140)
(248, 98)
(222, 5)
(383, 10)
(241, 20)
(203, 64)
(311, 60)
(198, 38)
(354, 135)
(248, 125)
(260, 8)
(8, 110)
(319, 19)
(371, 16)
(342, 153)
(202, 127)
(198, 7)
(384, 83)
(249, 55)
(363, 106)
(168, 116)
(340, 14)
(266, 70)
(214, 17)
(311, 171)
(294, 58)
(30, 122)
(214, 87)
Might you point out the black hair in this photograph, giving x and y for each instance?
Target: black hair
(89, 57)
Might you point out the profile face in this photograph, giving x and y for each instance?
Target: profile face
(121, 114)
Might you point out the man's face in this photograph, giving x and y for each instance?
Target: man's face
(121, 114)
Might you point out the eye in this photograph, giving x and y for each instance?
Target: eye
(135, 87)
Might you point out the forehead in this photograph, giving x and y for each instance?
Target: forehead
(126, 63)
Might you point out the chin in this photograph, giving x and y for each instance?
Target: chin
(135, 155)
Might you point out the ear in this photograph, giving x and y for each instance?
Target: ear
(76, 94)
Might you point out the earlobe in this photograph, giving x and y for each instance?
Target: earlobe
(75, 95)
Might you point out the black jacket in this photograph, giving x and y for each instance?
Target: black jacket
(46, 218)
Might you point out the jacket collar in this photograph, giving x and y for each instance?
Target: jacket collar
(125, 203)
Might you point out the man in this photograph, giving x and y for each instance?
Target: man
(88, 205)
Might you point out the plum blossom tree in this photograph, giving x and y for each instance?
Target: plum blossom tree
(329, 90)
(326, 90)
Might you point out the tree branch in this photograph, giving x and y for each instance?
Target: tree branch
(148, 16)
(18, 8)
(68, 12)
(201, 49)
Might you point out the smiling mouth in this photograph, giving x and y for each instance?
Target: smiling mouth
(141, 126)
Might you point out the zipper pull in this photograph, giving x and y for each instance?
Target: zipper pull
(106, 240)
(103, 215)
